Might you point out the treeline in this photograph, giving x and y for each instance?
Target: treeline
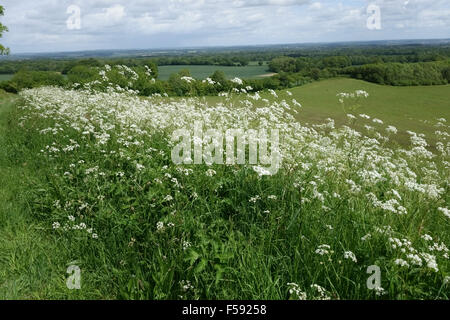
(31, 79)
(373, 69)
(282, 58)
(182, 83)
(219, 60)
(291, 64)
(390, 65)
(64, 66)
(143, 80)
(403, 74)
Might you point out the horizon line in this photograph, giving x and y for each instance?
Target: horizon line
(175, 48)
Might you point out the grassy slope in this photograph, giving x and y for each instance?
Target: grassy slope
(23, 254)
(33, 262)
(30, 267)
(407, 108)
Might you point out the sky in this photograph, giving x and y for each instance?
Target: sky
(76, 25)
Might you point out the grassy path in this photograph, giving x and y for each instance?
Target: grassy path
(27, 257)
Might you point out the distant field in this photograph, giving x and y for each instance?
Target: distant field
(202, 72)
(4, 77)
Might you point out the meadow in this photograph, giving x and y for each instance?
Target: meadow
(407, 108)
(4, 77)
(88, 180)
(403, 107)
(202, 72)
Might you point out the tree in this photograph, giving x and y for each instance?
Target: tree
(3, 28)
(82, 74)
(221, 80)
(446, 74)
(219, 76)
(315, 73)
(282, 64)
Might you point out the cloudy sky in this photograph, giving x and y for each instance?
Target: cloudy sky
(52, 25)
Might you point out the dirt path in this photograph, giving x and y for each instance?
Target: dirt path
(267, 75)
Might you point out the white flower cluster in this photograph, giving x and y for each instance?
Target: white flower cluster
(313, 156)
(237, 81)
(295, 289)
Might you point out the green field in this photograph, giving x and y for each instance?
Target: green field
(202, 72)
(4, 77)
(407, 108)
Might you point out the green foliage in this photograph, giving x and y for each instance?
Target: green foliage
(3, 29)
(87, 63)
(214, 243)
(32, 79)
(82, 74)
(219, 76)
(446, 74)
(209, 239)
(396, 65)
(201, 72)
(337, 62)
(283, 64)
(402, 74)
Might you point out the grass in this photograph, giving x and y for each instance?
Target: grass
(407, 108)
(4, 77)
(33, 262)
(202, 72)
(229, 234)
(25, 251)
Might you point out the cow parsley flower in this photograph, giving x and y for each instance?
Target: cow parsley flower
(391, 129)
(323, 249)
(350, 255)
(401, 263)
(237, 81)
(445, 211)
(295, 289)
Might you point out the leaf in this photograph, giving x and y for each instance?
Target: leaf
(192, 256)
(219, 272)
(201, 266)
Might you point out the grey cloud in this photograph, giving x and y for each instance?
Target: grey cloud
(41, 25)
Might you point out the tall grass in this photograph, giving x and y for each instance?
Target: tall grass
(141, 227)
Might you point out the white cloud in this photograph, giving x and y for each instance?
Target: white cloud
(108, 17)
(41, 25)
